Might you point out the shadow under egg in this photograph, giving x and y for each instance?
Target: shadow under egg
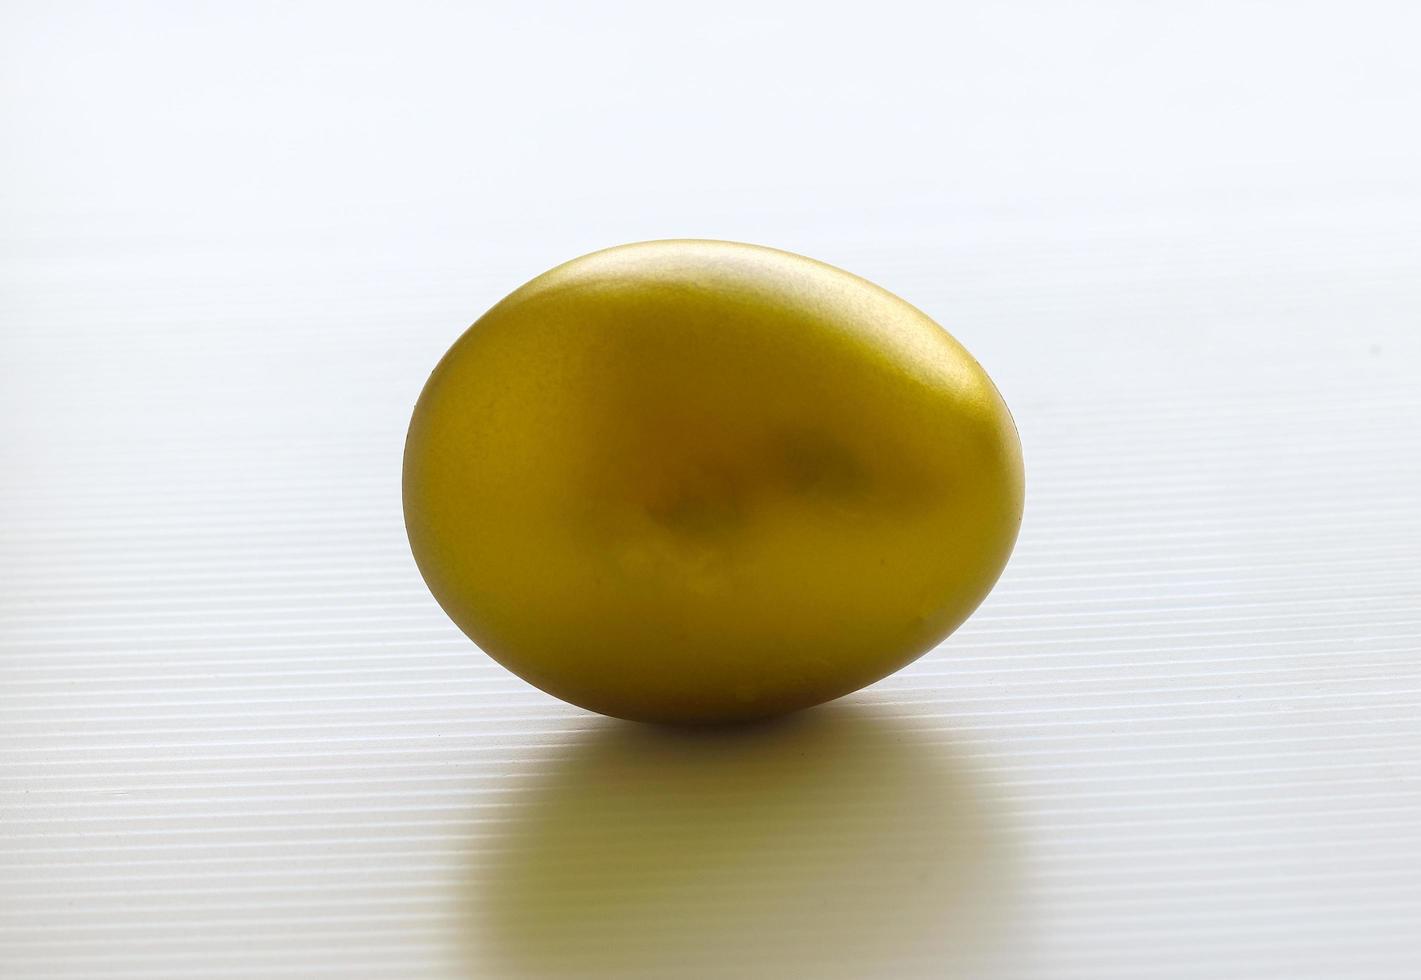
(834, 843)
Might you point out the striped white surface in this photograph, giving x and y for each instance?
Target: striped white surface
(238, 738)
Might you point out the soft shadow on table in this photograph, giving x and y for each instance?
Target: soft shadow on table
(829, 844)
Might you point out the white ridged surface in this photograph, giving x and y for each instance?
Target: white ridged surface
(1181, 739)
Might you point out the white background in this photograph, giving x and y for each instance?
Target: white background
(1181, 739)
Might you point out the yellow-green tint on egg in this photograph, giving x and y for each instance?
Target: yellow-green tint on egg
(698, 481)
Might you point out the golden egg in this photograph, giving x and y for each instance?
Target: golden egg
(699, 482)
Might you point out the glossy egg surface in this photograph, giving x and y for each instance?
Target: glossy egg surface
(699, 482)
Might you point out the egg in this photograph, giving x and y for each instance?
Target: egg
(701, 482)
